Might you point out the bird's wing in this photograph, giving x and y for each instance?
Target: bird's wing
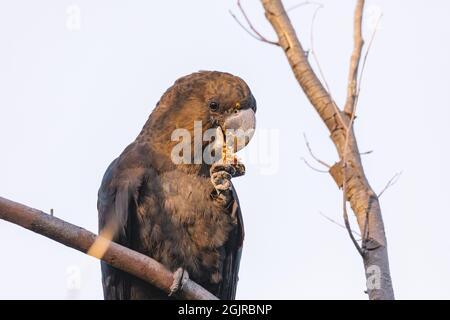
(233, 250)
(117, 203)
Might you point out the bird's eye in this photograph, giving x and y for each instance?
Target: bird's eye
(213, 105)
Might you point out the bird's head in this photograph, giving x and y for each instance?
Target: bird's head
(209, 101)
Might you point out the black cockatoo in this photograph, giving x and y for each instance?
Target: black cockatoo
(184, 215)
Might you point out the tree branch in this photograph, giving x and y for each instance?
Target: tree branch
(313, 50)
(390, 183)
(358, 192)
(305, 3)
(312, 167)
(256, 34)
(312, 153)
(82, 240)
(337, 223)
(355, 59)
(367, 54)
(350, 109)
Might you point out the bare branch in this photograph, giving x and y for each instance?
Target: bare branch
(312, 154)
(112, 253)
(305, 3)
(313, 50)
(390, 183)
(243, 27)
(344, 186)
(255, 34)
(311, 167)
(349, 228)
(338, 224)
(350, 108)
(355, 58)
(367, 53)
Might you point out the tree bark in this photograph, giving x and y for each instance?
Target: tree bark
(116, 255)
(358, 192)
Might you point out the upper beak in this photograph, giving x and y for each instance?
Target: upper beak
(239, 128)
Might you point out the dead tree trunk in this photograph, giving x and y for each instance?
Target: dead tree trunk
(348, 172)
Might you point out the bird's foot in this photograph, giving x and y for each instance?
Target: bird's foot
(234, 168)
(221, 174)
(180, 277)
(221, 181)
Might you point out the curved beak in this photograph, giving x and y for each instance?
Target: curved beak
(239, 128)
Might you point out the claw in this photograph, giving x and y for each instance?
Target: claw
(180, 277)
(221, 180)
(235, 168)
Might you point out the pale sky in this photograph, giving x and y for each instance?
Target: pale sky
(72, 97)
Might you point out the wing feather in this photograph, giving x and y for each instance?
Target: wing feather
(117, 203)
(233, 251)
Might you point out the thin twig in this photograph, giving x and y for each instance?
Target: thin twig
(369, 46)
(298, 5)
(243, 27)
(349, 229)
(313, 50)
(319, 67)
(311, 167)
(390, 183)
(251, 25)
(255, 34)
(337, 223)
(355, 59)
(365, 236)
(313, 155)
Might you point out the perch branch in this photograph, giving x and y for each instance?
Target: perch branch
(82, 240)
